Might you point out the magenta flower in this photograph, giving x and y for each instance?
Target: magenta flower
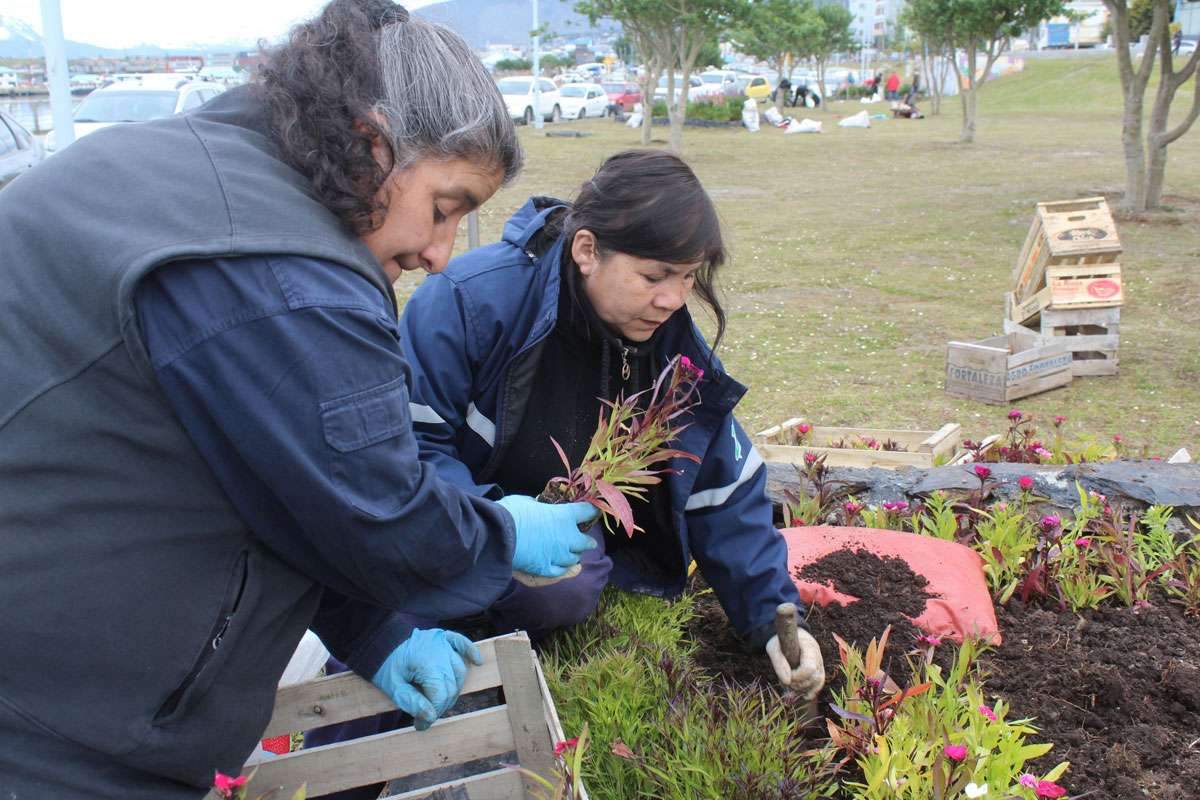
(225, 784)
(1116, 438)
(927, 639)
(852, 507)
(955, 752)
(898, 506)
(983, 473)
(804, 427)
(1014, 415)
(1083, 541)
(562, 747)
(1050, 522)
(690, 369)
(1059, 420)
(810, 458)
(967, 443)
(1026, 483)
(1028, 780)
(987, 712)
(1049, 789)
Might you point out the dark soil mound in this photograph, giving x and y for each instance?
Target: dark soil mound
(1116, 691)
(889, 593)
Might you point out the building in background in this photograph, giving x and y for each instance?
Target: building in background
(1187, 14)
(1088, 32)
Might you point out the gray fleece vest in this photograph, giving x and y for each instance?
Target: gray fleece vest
(141, 622)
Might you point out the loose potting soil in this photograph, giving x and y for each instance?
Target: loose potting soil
(1116, 690)
(889, 593)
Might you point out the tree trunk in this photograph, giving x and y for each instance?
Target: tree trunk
(650, 80)
(821, 84)
(1158, 137)
(966, 91)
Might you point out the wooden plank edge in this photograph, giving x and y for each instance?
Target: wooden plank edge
(498, 784)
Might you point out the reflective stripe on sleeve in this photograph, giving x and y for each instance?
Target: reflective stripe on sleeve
(717, 496)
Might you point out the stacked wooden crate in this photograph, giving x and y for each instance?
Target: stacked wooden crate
(1067, 283)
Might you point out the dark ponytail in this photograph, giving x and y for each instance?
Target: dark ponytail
(649, 204)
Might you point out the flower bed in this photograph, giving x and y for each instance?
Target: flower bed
(1095, 690)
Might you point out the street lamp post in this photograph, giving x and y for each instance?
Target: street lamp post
(57, 73)
(537, 71)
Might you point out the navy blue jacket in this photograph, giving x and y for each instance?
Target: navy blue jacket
(472, 337)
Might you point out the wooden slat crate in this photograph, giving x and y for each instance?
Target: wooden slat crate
(525, 723)
(922, 448)
(1004, 368)
(1067, 233)
(1091, 335)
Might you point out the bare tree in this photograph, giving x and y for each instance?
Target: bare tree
(1146, 153)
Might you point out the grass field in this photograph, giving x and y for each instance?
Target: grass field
(857, 254)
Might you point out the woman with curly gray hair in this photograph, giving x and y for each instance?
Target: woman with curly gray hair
(206, 439)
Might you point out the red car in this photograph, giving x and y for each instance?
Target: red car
(623, 95)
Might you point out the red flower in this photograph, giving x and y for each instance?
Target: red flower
(561, 747)
(225, 784)
(1026, 483)
(1049, 789)
(804, 427)
(810, 458)
(1059, 420)
(1116, 438)
(983, 472)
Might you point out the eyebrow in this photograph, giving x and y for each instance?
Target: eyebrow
(463, 196)
(676, 270)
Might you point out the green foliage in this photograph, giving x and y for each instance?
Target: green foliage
(514, 65)
(729, 110)
(627, 674)
(907, 758)
(938, 518)
(1006, 535)
(551, 61)
(1141, 17)
(775, 30)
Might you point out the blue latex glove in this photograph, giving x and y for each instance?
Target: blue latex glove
(548, 538)
(424, 675)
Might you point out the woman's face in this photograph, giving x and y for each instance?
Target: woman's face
(424, 205)
(632, 295)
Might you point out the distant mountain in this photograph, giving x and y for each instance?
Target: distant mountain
(484, 22)
(18, 39)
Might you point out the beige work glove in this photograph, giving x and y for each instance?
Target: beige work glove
(806, 679)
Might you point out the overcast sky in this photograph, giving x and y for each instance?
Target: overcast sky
(172, 23)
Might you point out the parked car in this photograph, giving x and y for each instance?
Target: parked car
(696, 88)
(581, 100)
(519, 97)
(139, 99)
(720, 83)
(1187, 46)
(19, 150)
(623, 95)
(754, 86)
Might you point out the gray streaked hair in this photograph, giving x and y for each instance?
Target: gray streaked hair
(364, 70)
(439, 99)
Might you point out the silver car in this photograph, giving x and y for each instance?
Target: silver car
(19, 151)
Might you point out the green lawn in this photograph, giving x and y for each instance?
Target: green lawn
(857, 254)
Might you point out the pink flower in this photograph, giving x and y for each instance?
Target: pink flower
(225, 785)
(898, 506)
(1083, 541)
(852, 507)
(1049, 789)
(955, 752)
(1050, 522)
(810, 458)
(569, 744)
(1042, 452)
(983, 472)
(1014, 415)
(690, 369)
(1026, 483)
(804, 427)
(1116, 438)
(1059, 420)
(967, 443)
(932, 641)
(1028, 780)
(987, 712)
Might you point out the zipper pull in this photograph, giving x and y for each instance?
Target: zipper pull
(624, 363)
(216, 642)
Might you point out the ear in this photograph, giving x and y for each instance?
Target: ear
(585, 252)
(379, 149)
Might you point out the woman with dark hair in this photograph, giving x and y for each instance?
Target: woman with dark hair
(205, 436)
(522, 340)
